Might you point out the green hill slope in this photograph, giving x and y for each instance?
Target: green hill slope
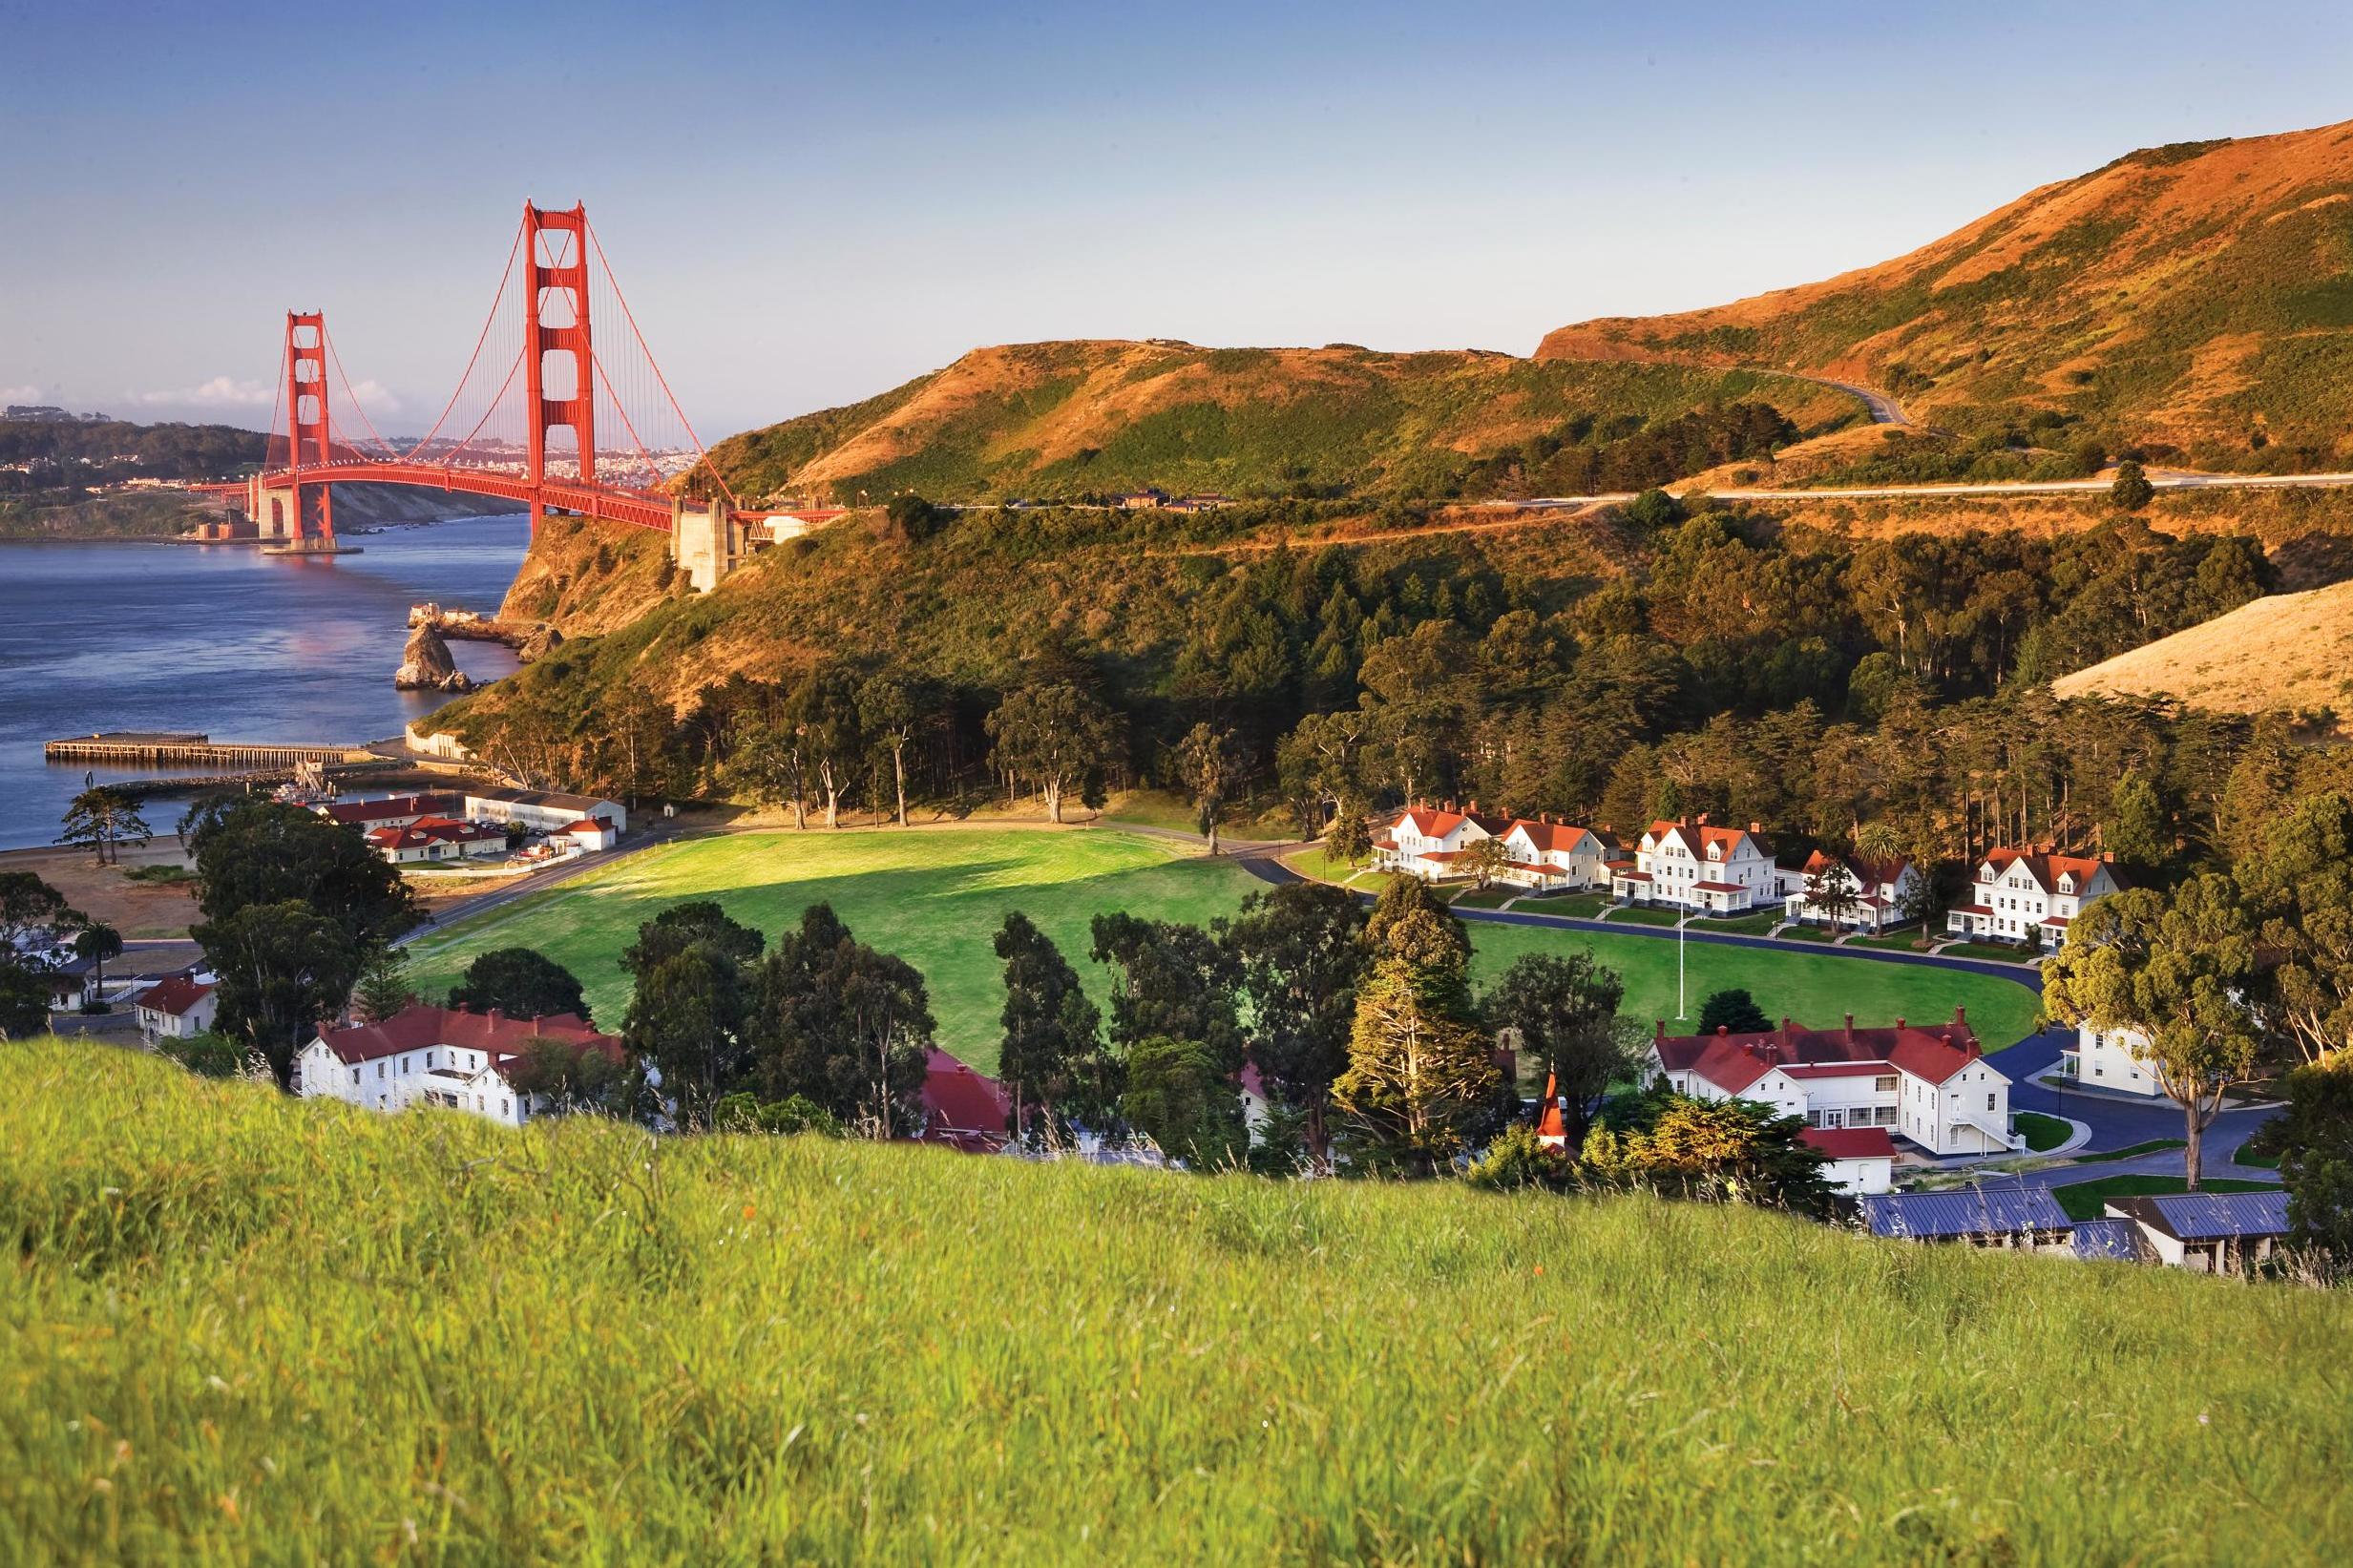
(1065, 418)
(2193, 297)
(241, 1328)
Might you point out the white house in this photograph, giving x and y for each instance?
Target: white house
(2029, 894)
(1428, 843)
(1857, 1161)
(436, 838)
(1555, 857)
(1693, 865)
(542, 811)
(591, 835)
(175, 1008)
(391, 810)
(431, 1056)
(1875, 891)
(2114, 1058)
(1932, 1088)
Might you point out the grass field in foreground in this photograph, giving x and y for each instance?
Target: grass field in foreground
(936, 897)
(241, 1328)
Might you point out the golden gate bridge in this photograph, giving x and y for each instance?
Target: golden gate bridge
(556, 410)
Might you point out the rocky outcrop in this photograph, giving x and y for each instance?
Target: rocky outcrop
(542, 637)
(425, 665)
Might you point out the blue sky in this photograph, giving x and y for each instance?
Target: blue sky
(808, 205)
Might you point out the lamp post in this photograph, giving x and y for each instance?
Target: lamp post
(1682, 930)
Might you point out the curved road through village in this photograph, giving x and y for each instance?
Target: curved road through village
(2117, 1121)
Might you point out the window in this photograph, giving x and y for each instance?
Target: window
(1988, 1099)
(355, 1074)
(1884, 1084)
(379, 1072)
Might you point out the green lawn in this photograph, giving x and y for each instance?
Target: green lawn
(2085, 1199)
(2133, 1151)
(1893, 942)
(2002, 953)
(2042, 1131)
(1741, 924)
(1634, 915)
(2245, 1156)
(936, 895)
(1577, 906)
(244, 1328)
(1808, 934)
(1468, 897)
(1318, 864)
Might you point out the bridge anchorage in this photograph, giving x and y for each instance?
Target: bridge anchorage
(553, 418)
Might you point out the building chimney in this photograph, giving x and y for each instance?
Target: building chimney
(1757, 827)
(1898, 1023)
(1662, 1030)
(1722, 1030)
(1974, 1050)
(1960, 1017)
(1850, 1028)
(492, 1015)
(1703, 820)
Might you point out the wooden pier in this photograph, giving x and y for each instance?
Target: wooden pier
(177, 749)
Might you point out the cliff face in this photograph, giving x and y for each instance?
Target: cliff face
(425, 665)
(586, 578)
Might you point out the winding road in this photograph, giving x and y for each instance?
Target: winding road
(2117, 1121)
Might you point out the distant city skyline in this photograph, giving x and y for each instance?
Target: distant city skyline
(808, 205)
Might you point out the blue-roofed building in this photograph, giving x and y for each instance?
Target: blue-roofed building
(2211, 1232)
(2007, 1214)
(2113, 1241)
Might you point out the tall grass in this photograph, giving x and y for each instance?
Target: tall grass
(244, 1327)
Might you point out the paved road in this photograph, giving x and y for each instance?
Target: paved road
(2016, 487)
(1885, 410)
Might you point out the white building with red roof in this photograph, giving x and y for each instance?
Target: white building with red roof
(1429, 842)
(1929, 1086)
(2032, 894)
(1873, 892)
(175, 1008)
(435, 838)
(1553, 856)
(1694, 864)
(1856, 1159)
(444, 1056)
(392, 811)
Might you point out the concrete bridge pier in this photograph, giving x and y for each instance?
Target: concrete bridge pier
(705, 543)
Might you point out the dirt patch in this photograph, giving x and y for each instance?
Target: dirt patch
(140, 911)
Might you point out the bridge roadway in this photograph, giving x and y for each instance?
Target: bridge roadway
(645, 508)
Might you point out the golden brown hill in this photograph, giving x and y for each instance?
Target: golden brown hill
(1061, 420)
(2196, 296)
(2291, 650)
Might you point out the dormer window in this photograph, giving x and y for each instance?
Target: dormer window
(2067, 882)
(1984, 873)
(1715, 851)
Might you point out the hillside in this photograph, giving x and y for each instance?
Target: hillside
(243, 1327)
(1065, 418)
(2291, 651)
(2193, 297)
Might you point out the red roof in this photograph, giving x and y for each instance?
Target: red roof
(1699, 837)
(1852, 1142)
(1867, 873)
(397, 806)
(2047, 869)
(962, 1107)
(1732, 1063)
(1554, 837)
(415, 1028)
(1437, 824)
(1721, 887)
(173, 996)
